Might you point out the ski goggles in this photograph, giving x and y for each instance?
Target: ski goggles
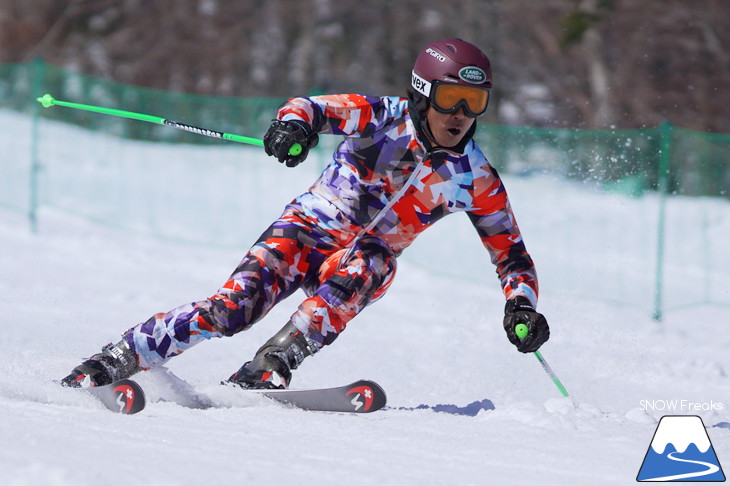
(449, 97)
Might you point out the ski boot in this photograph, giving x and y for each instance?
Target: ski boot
(115, 362)
(272, 365)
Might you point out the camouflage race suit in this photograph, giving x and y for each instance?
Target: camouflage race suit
(339, 240)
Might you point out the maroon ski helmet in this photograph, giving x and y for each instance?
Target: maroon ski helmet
(452, 61)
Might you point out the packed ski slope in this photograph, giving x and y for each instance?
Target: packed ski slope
(436, 338)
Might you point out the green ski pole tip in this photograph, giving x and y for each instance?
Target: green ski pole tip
(46, 100)
(521, 331)
(295, 150)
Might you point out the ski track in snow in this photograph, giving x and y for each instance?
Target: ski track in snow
(435, 338)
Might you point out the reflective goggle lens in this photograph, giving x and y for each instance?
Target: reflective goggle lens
(447, 97)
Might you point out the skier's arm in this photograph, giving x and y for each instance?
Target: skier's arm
(300, 120)
(496, 226)
(500, 235)
(343, 114)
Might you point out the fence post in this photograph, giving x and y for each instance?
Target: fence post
(665, 155)
(37, 70)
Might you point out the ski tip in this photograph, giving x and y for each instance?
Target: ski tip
(123, 396)
(129, 397)
(367, 396)
(362, 396)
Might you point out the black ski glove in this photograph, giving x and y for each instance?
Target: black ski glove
(282, 135)
(520, 311)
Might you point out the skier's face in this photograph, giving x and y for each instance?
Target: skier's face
(448, 128)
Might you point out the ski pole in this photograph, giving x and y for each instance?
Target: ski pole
(47, 101)
(521, 331)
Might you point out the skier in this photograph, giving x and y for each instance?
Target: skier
(404, 164)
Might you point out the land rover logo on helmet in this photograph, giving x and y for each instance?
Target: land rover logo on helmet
(473, 74)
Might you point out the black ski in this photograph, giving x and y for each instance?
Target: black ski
(123, 396)
(362, 396)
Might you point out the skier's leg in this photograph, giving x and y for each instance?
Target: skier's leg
(338, 293)
(242, 300)
(345, 289)
(272, 270)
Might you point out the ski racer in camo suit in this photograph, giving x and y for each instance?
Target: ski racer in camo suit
(404, 164)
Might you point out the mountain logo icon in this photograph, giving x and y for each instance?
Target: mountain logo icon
(681, 451)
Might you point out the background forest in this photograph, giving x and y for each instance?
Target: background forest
(557, 63)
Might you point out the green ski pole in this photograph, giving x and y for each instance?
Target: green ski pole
(47, 101)
(521, 331)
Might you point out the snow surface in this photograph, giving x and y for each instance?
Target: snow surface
(435, 338)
